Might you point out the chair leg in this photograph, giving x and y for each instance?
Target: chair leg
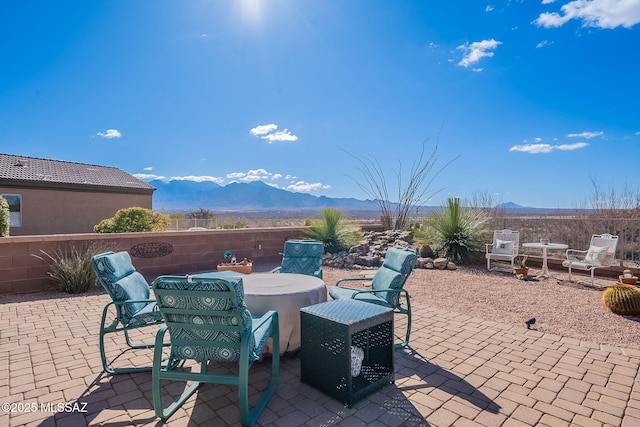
(405, 343)
(247, 417)
(156, 376)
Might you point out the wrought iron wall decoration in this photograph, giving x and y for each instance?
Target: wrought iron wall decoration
(151, 250)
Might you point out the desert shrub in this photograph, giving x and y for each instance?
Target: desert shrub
(133, 220)
(4, 217)
(332, 231)
(71, 268)
(456, 232)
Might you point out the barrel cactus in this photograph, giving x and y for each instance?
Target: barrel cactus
(622, 299)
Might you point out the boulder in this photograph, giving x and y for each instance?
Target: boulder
(440, 263)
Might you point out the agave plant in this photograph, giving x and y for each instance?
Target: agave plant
(332, 231)
(457, 232)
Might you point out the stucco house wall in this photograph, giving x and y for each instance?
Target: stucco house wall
(58, 197)
(53, 211)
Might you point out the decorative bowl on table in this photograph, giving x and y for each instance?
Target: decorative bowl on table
(628, 280)
(240, 267)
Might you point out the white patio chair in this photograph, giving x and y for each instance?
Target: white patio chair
(601, 253)
(504, 247)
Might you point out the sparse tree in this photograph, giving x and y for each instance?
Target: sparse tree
(415, 193)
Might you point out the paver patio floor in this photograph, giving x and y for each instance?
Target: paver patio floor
(458, 371)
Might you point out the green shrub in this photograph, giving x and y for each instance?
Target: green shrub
(71, 269)
(332, 231)
(4, 217)
(456, 232)
(133, 220)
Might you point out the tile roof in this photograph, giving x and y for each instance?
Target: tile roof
(32, 170)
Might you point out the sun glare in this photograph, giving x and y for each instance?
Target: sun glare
(251, 10)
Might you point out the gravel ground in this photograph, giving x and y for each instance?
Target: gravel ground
(559, 306)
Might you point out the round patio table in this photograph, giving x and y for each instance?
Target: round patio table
(544, 272)
(285, 293)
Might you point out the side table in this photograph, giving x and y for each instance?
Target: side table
(329, 330)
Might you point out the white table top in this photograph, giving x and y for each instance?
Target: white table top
(547, 246)
(280, 283)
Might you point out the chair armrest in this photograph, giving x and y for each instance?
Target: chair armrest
(267, 317)
(488, 247)
(373, 291)
(574, 253)
(352, 279)
(276, 270)
(132, 301)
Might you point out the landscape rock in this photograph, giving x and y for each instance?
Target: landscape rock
(440, 263)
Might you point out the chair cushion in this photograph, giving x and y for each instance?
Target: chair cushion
(303, 248)
(338, 292)
(503, 247)
(119, 278)
(401, 260)
(113, 266)
(132, 287)
(301, 265)
(217, 350)
(596, 255)
(148, 315)
(386, 278)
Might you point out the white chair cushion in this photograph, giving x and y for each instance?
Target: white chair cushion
(503, 247)
(596, 255)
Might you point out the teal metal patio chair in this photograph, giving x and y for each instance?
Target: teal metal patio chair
(130, 297)
(207, 320)
(303, 257)
(386, 285)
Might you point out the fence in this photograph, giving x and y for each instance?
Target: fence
(576, 232)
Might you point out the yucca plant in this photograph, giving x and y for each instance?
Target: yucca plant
(331, 230)
(71, 269)
(457, 232)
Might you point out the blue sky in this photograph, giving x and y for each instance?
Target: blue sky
(532, 101)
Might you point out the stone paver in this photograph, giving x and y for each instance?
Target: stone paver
(458, 371)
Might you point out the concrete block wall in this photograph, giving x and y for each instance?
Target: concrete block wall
(192, 252)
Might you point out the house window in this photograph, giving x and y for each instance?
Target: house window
(15, 209)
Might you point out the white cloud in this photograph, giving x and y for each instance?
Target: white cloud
(110, 133)
(148, 168)
(570, 147)
(587, 135)
(305, 187)
(546, 148)
(283, 135)
(149, 177)
(268, 132)
(543, 43)
(475, 51)
(489, 8)
(249, 176)
(202, 178)
(548, 1)
(594, 13)
(263, 129)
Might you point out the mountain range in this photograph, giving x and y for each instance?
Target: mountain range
(257, 196)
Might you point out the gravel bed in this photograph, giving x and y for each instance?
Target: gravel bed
(559, 306)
